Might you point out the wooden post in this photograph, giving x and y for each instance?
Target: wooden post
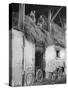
(18, 50)
(21, 27)
(49, 21)
(49, 28)
(21, 16)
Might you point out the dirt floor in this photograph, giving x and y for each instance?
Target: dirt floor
(48, 82)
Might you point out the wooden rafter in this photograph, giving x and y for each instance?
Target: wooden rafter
(56, 14)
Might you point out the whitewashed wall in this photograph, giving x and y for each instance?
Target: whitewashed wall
(18, 50)
(17, 57)
(29, 60)
(52, 61)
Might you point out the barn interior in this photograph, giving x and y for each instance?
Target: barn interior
(44, 25)
(41, 18)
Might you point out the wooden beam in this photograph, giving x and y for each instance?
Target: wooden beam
(21, 28)
(56, 14)
(50, 36)
(49, 21)
(61, 21)
(21, 16)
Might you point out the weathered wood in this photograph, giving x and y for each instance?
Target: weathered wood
(21, 28)
(56, 14)
(50, 36)
(21, 16)
(49, 21)
(61, 21)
